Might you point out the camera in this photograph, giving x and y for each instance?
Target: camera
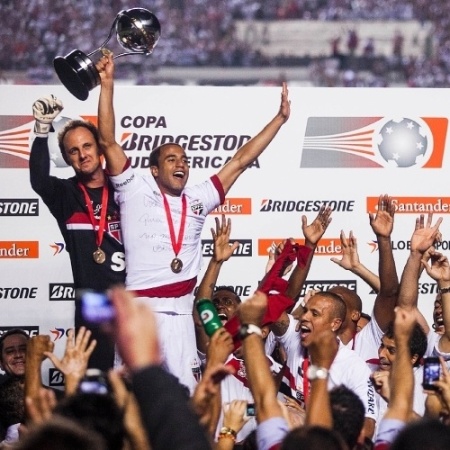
(94, 382)
(251, 411)
(431, 372)
(96, 307)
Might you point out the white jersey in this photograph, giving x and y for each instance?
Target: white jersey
(367, 341)
(418, 400)
(347, 369)
(145, 228)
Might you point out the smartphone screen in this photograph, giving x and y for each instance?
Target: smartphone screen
(96, 307)
(250, 409)
(431, 372)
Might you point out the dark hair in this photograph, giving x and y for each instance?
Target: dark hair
(71, 126)
(351, 299)
(348, 414)
(429, 434)
(229, 289)
(10, 333)
(366, 316)
(156, 153)
(417, 342)
(313, 438)
(60, 433)
(339, 309)
(12, 406)
(97, 412)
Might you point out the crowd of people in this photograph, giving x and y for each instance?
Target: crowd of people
(177, 368)
(202, 33)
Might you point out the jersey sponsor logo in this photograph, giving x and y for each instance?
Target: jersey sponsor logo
(324, 285)
(18, 293)
(274, 205)
(325, 247)
(55, 377)
(196, 207)
(19, 249)
(31, 330)
(413, 205)
(19, 207)
(61, 292)
(245, 247)
(374, 142)
(234, 206)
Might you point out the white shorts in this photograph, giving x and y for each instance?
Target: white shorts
(178, 345)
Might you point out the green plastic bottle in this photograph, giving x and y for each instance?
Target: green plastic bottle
(208, 315)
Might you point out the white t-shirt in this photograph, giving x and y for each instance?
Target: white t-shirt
(367, 341)
(418, 401)
(347, 369)
(145, 228)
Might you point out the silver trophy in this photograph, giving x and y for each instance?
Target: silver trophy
(137, 30)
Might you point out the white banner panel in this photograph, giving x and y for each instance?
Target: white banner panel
(340, 146)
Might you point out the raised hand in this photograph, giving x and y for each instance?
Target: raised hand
(45, 110)
(350, 256)
(76, 357)
(439, 269)
(285, 106)
(425, 235)
(314, 232)
(221, 236)
(382, 222)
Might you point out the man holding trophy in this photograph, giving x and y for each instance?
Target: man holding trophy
(166, 280)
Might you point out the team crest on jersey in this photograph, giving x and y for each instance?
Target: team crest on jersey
(196, 371)
(114, 231)
(197, 207)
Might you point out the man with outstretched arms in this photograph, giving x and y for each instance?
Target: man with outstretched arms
(162, 222)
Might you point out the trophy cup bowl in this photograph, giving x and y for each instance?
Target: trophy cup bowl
(137, 30)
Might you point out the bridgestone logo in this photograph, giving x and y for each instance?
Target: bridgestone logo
(61, 292)
(19, 207)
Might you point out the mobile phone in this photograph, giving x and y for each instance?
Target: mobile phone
(431, 372)
(94, 382)
(250, 409)
(96, 307)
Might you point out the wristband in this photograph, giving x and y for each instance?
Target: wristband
(444, 290)
(248, 329)
(42, 129)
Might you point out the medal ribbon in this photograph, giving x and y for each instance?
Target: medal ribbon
(305, 365)
(101, 225)
(176, 242)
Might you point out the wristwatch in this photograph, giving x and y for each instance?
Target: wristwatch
(248, 328)
(316, 373)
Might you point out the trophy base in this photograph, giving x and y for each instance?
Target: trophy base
(77, 73)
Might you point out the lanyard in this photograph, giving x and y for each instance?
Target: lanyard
(176, 242)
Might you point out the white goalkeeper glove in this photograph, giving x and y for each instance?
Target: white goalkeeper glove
(45, 111)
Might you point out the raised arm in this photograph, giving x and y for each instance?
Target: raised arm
(45, 110)
(312, 233)
(382, 224)
(422, 239)
(250, 151)
(222, 252)
(114, 155)
(350, 261)
(439, 270)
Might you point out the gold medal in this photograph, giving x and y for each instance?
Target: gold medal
(99, 256)
(176, 265)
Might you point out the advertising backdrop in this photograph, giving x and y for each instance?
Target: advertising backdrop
(343, 147)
